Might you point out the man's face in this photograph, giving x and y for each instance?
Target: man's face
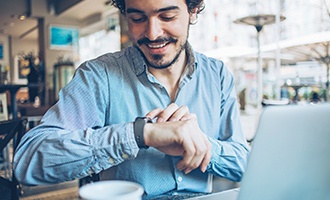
(159, 28)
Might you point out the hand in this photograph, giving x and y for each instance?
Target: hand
(179, 135)
(172, 113)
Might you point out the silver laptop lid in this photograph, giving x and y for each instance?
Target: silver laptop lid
(290, 156)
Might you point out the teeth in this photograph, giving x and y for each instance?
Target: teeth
(156, 45)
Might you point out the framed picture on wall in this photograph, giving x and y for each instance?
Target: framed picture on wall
(3, 107)
(1, 51)
(21, 70)
(63, 37)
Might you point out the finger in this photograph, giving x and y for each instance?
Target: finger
(192, 159)
(188, 117)
(167, 112)
(201, 151)
(184, 164)
(179, 113)
(189, 153)
(207, 157)
(202, 148)
(154, 113)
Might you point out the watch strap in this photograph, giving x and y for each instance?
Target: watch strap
(139, 124)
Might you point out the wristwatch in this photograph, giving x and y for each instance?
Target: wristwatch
(138, 131)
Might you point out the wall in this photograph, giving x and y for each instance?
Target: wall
(18, 46)
(24, 46)
(39, 10)
(12, 46)
(4, 41)
(21, 47)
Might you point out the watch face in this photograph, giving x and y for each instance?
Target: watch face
(146, 119)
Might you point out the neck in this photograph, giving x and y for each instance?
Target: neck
(171, 75)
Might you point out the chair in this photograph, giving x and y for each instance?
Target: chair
(11, 132)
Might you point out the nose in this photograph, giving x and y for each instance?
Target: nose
(154, 29)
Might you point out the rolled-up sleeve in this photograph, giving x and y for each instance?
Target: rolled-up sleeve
(230, 151)
(73, 140)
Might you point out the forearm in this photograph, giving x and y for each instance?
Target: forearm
(229, 159)
(51, 155)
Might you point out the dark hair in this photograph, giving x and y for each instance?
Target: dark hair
(192, 4)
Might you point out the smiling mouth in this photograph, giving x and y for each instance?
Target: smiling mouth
(157, 45)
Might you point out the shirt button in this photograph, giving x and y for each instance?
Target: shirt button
(111, 161)
(179, 178)
(159, 86)
(90, 172)
(125, 156)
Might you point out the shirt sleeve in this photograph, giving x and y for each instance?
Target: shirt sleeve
(73, 140)
(230, 150)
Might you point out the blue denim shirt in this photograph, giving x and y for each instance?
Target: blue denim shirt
(90, 129)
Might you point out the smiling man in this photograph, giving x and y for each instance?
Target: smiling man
(160, 31)
(156, 113)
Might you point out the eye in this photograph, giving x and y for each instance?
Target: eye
(167, 17)
(137, 18)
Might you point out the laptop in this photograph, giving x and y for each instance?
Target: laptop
(290, 157)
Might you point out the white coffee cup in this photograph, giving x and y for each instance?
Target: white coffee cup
(111, 190)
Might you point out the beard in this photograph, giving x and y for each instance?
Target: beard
(157, 59)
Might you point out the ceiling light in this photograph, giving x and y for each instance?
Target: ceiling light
(21, 17)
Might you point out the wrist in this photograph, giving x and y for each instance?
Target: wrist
(146, 133)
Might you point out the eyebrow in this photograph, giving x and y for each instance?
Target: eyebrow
(134, 10)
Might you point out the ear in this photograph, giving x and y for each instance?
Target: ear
(193, 18)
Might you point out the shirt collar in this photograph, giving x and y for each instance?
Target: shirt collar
(139, 64)
(191, 61)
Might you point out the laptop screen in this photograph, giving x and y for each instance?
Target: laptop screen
(290, 156)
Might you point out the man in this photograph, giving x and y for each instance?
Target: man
(195, 131)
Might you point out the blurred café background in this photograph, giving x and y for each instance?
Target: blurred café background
(278, 50)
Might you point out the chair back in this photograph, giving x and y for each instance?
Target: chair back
(11, 132)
